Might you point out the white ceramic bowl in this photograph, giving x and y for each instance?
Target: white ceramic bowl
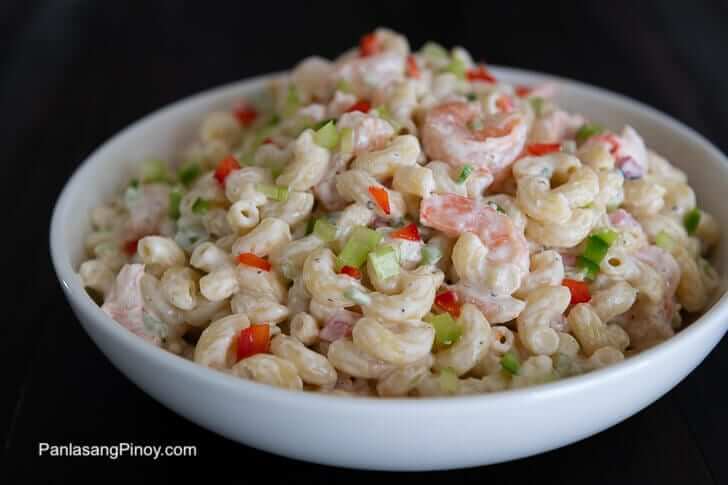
(393, 434)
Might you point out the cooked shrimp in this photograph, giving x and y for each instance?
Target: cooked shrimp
(448, 134)
(370, 132)
(453, 215)
(367, 72)
(125, 302)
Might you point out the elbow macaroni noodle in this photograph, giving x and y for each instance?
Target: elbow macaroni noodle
(426, 246)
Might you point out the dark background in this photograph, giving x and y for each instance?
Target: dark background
(73, 73)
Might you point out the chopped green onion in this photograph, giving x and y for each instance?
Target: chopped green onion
(293, 102)
(274, 192)
(434, 51)
(188, 173)
(357, 296)
(327, 136)
(200, 206)
(692, 220)
(324, 230)
(471, 97)
(664, 241)
(606, 235)
(430, 255)
(384, 261)
(448, 381)
(175, 197)
(464, 174)
(347, 140)
(590, 267)
(588, 130)
(457, 67)
(537, 105)
(154, 171)
(447, 330)
(510, 363)
(595, 249)
(134, 183)
(344, 86)
(360, 243)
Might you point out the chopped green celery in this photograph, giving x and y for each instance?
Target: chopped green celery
(537, 105)
(276, 171)
(448, 381)
(188, 173)
(691, 220)
(357, 296)
(464, 174)
(310, 225)
(591, 269)
(588, 130)
(324, 230)
(175, 197)
(430, 255)
(347, 140)
(293, 102)
(606, 235)
(434, 51)
(595, 249)
(154, 171)
(320, 124)
(344, 86)
(447, 330)
(361, 242)
(327, 136)
(510, 363)
(384, 261)
(200, 206)
(274, 192)
(457, 67)
(664, 241)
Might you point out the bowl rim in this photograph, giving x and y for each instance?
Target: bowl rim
(130, 343)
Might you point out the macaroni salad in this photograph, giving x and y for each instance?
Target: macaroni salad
(398, 223)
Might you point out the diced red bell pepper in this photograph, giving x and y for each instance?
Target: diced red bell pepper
(480, 73)
(408, 232)
(505, 104)
(226, 166)
(523, 91)
(362, 106)
(413, 70)
(245, 114)
(381, 197)
(537, 149)
(448, 301)
(579, 291)
(351, 271)
(130, 247)
(368, 45)
(250, 259)
(253, 340)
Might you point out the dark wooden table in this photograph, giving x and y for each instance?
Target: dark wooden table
(74, 73)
